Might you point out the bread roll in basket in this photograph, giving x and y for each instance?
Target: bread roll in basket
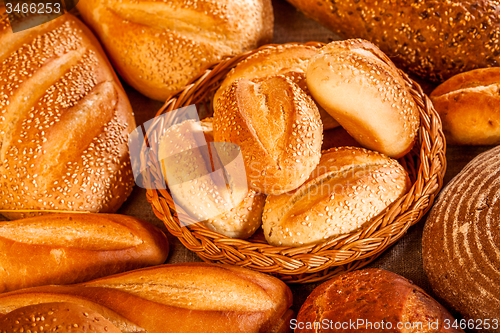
(425, 164)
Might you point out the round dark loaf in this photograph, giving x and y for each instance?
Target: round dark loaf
(433, 38)
(461, 241)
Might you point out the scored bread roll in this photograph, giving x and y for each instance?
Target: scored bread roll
(158, 46)
(71, 248)
(64, 121)
(360, 87)
(289, 60)
(469, 107)
(59, 317)
(347, 190)
(278, 127)
(460, 243)
(372, 300)
(193, 167)
(181, 298)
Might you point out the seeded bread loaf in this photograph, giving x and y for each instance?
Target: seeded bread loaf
(56, 317)
(71, 248)
(349, 187)
(64, 121)
(181, 298)
(435, 39)
(372, 300)
(460, 243)
(158, 46)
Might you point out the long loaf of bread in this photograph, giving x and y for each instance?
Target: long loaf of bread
(71, 248)
(194, 297)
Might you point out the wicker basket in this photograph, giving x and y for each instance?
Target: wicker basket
(425, 164)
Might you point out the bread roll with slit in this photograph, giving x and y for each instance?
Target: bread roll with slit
(64, 121)
(72, 248)
(181, 298)
(289, 60)
(278, 127)
(348, 189)
(158, 46)
(56, 317)
(362, 89)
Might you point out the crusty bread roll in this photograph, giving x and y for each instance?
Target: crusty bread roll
(288, 59)
(71, 248)
(349, 187)
(460, 244)
(469, 107)
(64, 121)
(371, 300)
(278, 127)
(56, 317)
(158, 46)
(181, 298)
(432, 38)
(208, 181)
(362, 89)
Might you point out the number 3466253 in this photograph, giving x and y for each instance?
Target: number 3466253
(34, 8)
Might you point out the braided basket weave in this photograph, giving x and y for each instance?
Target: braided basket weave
(426, 165)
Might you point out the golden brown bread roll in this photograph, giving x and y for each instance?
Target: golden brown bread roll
(460, 244)
(469, 107)
(71, 248)
(433, 38)
(64, 121)
(371, 300)
(194, 297)
(278, 127)
(210, 191)
(349, 187)
(56, 317)
(288, 59)
(362, 89)
(158, 46)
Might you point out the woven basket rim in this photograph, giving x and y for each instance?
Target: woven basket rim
(321, 261)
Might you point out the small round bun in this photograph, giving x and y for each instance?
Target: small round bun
(361, 88)
(469, 107)
(349, 187)
(372, 300)
(278, 128)
(56, 317)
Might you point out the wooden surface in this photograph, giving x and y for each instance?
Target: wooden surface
(404, 258)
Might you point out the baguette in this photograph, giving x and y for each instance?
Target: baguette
(181, 298)
(432, 38)
(64, 121)
(71, 248)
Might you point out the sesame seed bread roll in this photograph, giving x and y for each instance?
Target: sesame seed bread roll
(72, 248)
(347, 190)
(180, 298)
(362, 89)
(278, 127)
(230, 208)
(158, 46)
(289, 60)
(469, 107)
(59, 317)
(432, 38)
(64, 121)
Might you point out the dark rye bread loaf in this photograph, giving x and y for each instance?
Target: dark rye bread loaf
(433, 38)
(64, 121)
(461, 241)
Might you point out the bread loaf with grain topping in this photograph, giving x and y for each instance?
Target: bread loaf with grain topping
(433, 38)
(460, 243)
(64, 121)
(72, 248)
(158, 46)
(181, 298)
